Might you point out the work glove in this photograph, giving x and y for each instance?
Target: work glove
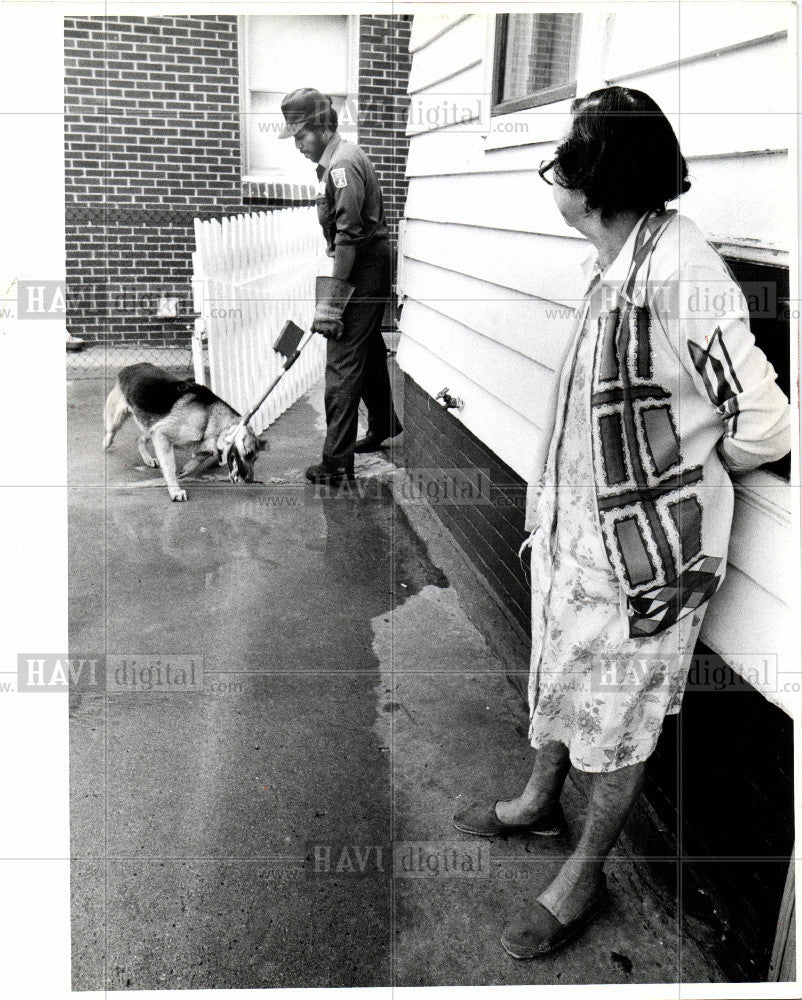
(331, 298)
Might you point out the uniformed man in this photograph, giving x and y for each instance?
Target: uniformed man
(351, 212)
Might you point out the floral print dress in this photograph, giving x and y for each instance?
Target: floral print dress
(593, 688)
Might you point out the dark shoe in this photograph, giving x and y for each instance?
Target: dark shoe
(538, 932)
(324, 474)
(373, 441)
(370, 442)
(481, 820)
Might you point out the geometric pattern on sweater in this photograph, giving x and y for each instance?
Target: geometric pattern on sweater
(719, 377)
(653, 612)
(649, 512)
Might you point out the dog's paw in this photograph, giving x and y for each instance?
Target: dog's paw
(178, 496)
(151, 463)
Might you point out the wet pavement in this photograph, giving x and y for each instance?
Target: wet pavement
(244, 834)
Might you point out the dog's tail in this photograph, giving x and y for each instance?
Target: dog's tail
(115, 414)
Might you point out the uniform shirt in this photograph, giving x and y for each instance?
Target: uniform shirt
(349, 199)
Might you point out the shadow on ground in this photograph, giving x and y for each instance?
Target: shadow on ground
(242, 834)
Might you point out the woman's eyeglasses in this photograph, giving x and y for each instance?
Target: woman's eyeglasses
(544, 168)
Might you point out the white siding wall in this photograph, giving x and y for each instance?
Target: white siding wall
(490, 272)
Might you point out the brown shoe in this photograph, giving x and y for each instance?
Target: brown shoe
(537, 932)
(481, 820)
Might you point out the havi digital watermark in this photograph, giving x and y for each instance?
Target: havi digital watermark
(113, 673)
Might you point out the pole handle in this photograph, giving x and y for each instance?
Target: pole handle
(287, 365)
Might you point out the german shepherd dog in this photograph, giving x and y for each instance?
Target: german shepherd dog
(170, 413)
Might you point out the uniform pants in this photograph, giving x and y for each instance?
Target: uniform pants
(356, 365)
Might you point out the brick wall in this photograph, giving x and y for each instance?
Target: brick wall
(384, 62)
(151, 140)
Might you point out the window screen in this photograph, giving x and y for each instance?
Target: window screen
(536, 57)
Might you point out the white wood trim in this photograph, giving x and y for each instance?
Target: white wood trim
(440, 31)
(751, 251)
(244, 93)
(424, 88)
(742, 198)
(749, 138)
(594, 42)
(487, 73)
(442, 265)
(729, 154)
(745, 621)
(527, 128)
(768, 492)
(455, 49)
(518, 321)
(496, 151)
(243, 46)
(747, 43)
(513, 378)
(550, 119)
(459, 150)
(515, 440)
(352, 67)
(527, 206)
(754, 80)
(456, 247)
(760, 540)
(401, 260)
(471, 109)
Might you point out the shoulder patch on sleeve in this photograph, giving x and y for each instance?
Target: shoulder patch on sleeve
(339, 178)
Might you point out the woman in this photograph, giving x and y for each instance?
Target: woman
(630, 521)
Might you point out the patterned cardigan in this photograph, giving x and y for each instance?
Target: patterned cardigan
(680, 395)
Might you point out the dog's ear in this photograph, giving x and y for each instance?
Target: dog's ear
(262, 444)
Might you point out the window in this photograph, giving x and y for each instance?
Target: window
(767, 290)
(280, 53)
(536, 57)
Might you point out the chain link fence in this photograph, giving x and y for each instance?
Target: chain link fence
(98, 360)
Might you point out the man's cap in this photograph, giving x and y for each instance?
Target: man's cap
(301, 106)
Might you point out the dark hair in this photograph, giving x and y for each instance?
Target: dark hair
(621, 153)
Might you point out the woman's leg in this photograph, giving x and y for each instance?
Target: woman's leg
(612, 796)
(543, 788)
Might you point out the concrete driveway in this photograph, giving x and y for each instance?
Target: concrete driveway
(243, 833)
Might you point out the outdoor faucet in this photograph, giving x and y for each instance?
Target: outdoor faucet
(449, 402)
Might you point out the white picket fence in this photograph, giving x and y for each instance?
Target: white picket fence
(251, 274)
